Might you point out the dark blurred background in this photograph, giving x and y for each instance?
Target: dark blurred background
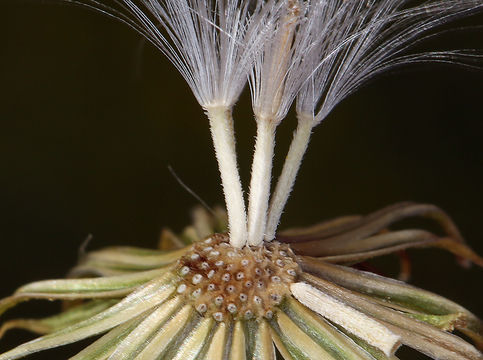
(91, 116)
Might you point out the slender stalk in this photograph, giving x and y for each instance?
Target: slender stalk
(222, 132)
(285, 182)
(260, 181)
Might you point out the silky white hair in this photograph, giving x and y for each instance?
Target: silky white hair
(317, 52)
(362, 39)
(212, 43)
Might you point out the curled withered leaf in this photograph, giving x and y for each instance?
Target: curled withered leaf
(458, 249)
(368, 225)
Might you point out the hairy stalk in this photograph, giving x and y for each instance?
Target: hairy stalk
(260, 181)
(222, 132)
(271, 99)
(285, 182)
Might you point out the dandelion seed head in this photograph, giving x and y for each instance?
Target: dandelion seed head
(319, 53)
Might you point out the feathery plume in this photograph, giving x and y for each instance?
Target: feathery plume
(213, 45)
(347, 44)
(274, 83)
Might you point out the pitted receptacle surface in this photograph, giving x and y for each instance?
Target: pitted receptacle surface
(245, 283)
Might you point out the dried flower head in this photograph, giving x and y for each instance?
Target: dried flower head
(202, 298)
(230, 286)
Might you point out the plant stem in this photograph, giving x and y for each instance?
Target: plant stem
(260, 180)
(290, 169)
(223, 134)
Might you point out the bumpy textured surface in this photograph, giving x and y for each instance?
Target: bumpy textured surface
(244, 283)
